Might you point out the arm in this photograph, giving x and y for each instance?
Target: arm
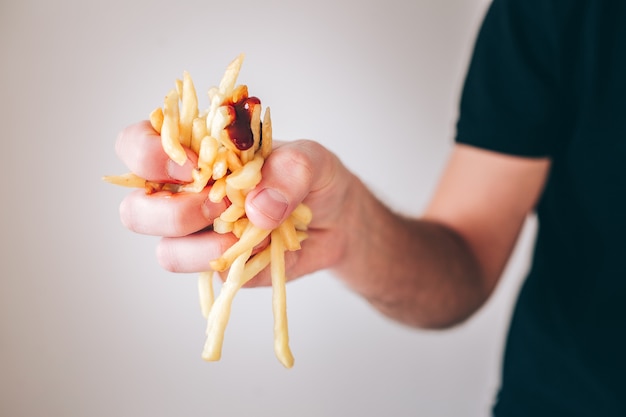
(437, 270)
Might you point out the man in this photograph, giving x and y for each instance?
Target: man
(541, 128)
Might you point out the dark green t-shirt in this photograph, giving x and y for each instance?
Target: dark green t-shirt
(548, 78)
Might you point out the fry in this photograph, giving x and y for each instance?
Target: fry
(233, 213)
(289, 236)
(208, 151)
(220, 312)
(230, 76)
(248, 176)
(156, 119)
(218, 191)
(251, 237)
(220, 165)
(235, 195)
(125, 180)
(261, 260)
(205, 292)
(301, 216)
(232, 160)
(279, 302)
(170, 131)
(256, 264)
(240, 93)
(217, 100)
(266, 134)
(198, 132)
(224, 116)
(240, 226)
(212, 92)
(204, 171)
(255, 128)
(222, 227)
(179, 87)
(188, 109)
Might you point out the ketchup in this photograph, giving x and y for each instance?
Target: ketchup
(239, 130)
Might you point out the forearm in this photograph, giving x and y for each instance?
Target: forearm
(418, 272)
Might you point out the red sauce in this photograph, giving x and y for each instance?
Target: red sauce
(239, 130)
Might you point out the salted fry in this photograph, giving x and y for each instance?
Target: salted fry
(240, 93)
(198, 132)
(201, 177)
(212, 93)
(256, 264)
(230, 167)
(222, 226)
(218, 191)
(301, 216)
(232, 161)
(251, 237)
(255, 126)
(209, 148)
(156, 119)
(224, 116)
(205, 292)
(220, 312)
(240, 226)
(203, 173)
(125, 180)
(247, 176)
(261, 260)
(217, 100)
(233, 213)
(170, 131)
(235, 195)
(266, 134)
(279, 303)
(289, 235)
(220, 165)
(188, 109)
(230, 76)
(179, 87)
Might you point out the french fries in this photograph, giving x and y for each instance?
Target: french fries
(232, 140)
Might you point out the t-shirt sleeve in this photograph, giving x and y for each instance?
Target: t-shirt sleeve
(511, 100)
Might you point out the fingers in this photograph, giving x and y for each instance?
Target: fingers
(291, 172)
(140, 148)
(166, 214)
(295, 172)
(192, 253)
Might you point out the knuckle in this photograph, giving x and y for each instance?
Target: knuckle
(297, 163)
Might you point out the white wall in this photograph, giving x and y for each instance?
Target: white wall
(91, 326)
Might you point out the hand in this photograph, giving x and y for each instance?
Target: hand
(299, 171)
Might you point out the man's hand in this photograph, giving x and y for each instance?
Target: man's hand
(295, 172)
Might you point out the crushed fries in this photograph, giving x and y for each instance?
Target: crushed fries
(231, 173)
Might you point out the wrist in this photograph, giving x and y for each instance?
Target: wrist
(353, 227)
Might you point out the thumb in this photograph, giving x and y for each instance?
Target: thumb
(289, 174)
(268, 208)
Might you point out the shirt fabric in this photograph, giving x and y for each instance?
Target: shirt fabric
(548, 79)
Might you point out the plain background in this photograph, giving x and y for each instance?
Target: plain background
(89, 323)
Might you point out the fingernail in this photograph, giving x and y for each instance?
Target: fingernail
(180, 172)
(271, 203)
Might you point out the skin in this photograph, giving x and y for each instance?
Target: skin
(432, 271)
